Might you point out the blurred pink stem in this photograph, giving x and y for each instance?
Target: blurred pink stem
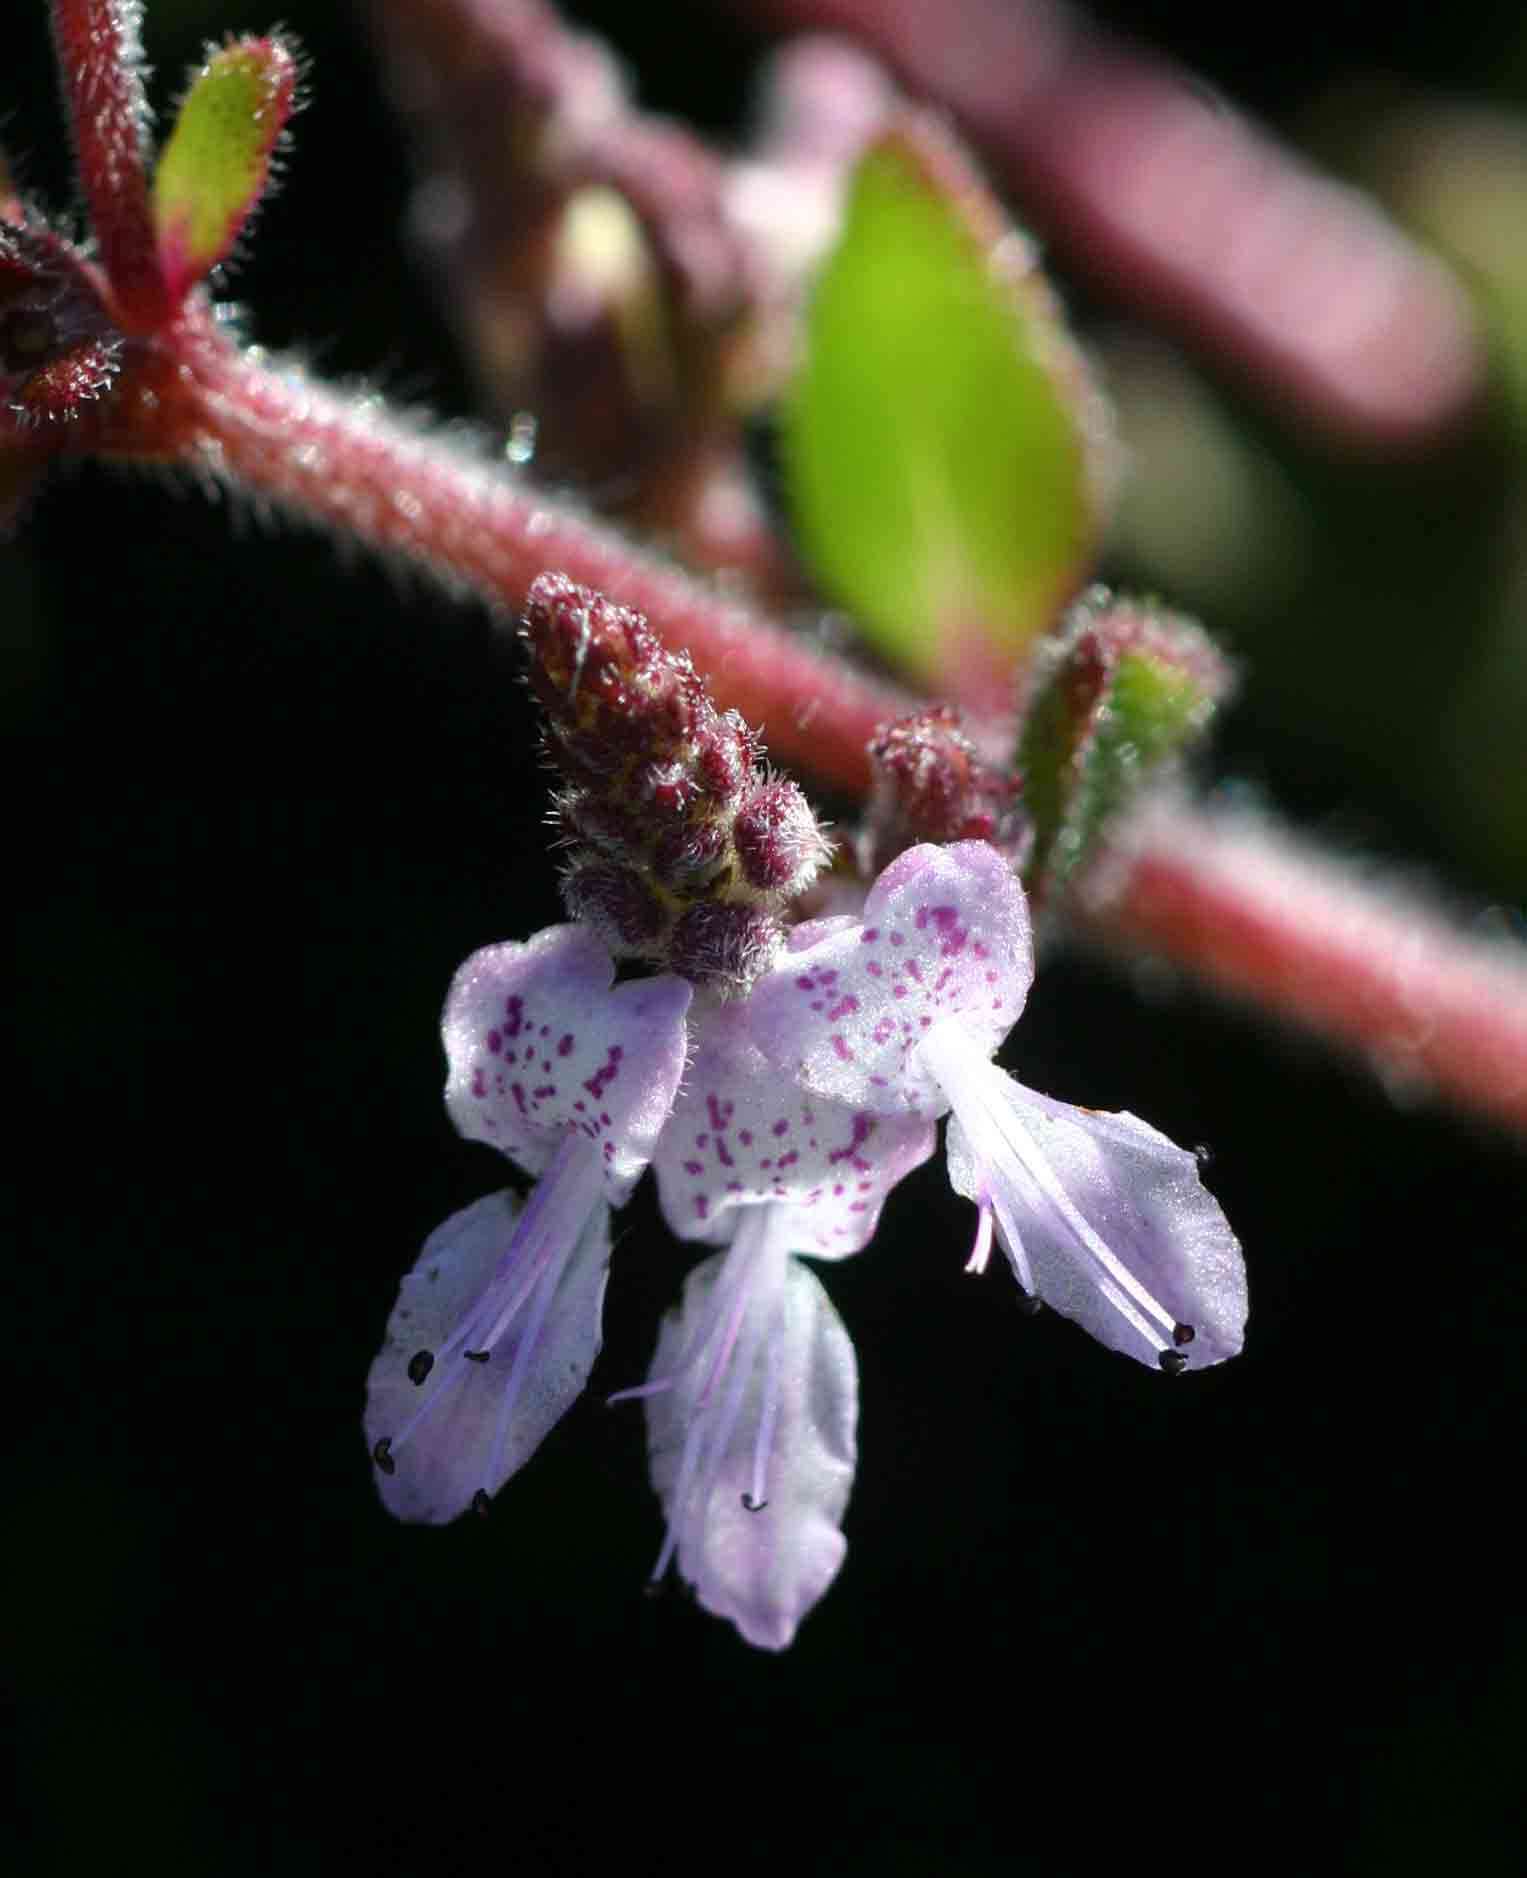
(1241, 907)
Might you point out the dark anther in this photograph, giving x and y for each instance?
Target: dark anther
(752, 1505)
(476, 1356)
(1030, 1305)
(382, 1455)
(1173, 1362)
(419, 1366)
(481, 1503)
(1182, 1333)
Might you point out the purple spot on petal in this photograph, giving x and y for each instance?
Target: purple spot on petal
(782, 1126)
(840, 1045)
(845, 1007)
(565, 1045)
(495, 1041)
(514, 1010)
(694, 1167)
(606, 1073)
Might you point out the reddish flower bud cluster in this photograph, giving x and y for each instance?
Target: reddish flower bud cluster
(931, 784)
(684, 849)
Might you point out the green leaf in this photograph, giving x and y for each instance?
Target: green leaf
(944, 450)
(1123, 689)
(217, 162)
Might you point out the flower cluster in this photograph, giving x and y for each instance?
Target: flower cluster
(684, 851)
(776, 1124)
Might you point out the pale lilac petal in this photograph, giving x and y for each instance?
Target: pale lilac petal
(541, 1041)
(450, 1437)
(741, 1135)
(811, 932)
(1106, 1219)
(772, 1429)
(945, 934)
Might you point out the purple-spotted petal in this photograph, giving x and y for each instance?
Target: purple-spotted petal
(541, 1042)
(1106, 1219)
(945, 934)
(754, 1459)
(449, 1437)
(741, 1135)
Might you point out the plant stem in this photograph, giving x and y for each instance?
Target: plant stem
(1242, 907)
(101, 67)
(346, 464)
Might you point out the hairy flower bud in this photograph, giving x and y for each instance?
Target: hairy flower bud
(931, 785)
(727, 947)
(779, 846)
(617, 903)
(683, 850)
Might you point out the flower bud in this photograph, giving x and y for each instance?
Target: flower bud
(779, 846)
(724, 946)
(617, 903)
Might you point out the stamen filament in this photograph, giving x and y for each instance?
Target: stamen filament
(980, 1252)
(978, 1092)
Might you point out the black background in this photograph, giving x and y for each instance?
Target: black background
(264, 800)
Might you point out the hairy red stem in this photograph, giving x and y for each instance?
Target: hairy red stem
(100, 65)
(343, 463)
(1372, 969)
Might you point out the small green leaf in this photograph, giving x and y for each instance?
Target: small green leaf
(217, 162)
(1122, 689)
(945, 452)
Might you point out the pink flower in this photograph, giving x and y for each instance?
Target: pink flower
(497, 1326)
(897, 1015)
(752, 1404)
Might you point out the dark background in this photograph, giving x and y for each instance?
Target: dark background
(263, 802)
